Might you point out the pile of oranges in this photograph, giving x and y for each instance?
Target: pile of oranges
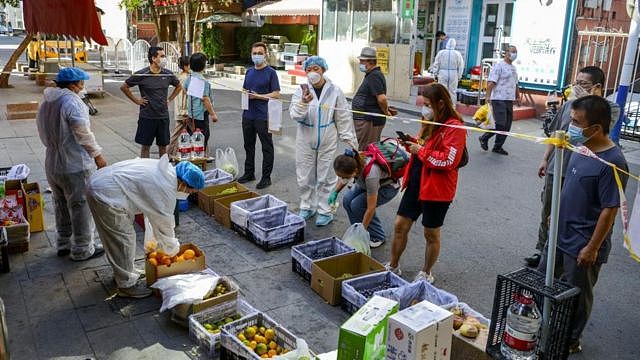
(262, 341)
(156, 258)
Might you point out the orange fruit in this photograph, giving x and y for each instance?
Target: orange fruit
(152, 255)
(153, 261)
(272, 353)
(180, 258)
(264, 356)
(270, 334)
(189, 254)
(273, 345)
(166, 260)
(253, 345)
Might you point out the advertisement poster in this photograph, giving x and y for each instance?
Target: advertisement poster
(539, 52)
(383, 59)
(457, 19)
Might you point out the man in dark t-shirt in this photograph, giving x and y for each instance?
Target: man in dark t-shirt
(153, 120)
(589, 203)
(261, 83)
(371, 97)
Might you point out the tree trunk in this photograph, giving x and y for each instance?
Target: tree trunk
(4, 78)
(194, 39)
(156, 23)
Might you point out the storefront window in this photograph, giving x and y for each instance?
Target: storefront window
(508, 17)
(329, 19)
(361, 20)
(383, 21)
(344, 21)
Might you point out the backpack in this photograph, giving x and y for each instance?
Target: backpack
(389, 155)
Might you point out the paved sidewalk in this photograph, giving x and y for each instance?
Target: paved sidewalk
(60, 309)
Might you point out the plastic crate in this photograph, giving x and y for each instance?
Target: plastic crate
(269, 235)
(233, 347)
(408, 294)
(266, 207)
(354, 291)
(217, 177)
(208, 342)
(303, 255)
(562, 297)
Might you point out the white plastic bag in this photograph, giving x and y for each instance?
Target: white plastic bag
(490, 122)
(185, 288)
(358, 238)
(300, 353)
(18, 172)
(227, 161)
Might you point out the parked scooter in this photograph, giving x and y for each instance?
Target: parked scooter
(87, 101)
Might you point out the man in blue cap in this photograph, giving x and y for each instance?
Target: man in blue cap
(72, 154)
(118, 192)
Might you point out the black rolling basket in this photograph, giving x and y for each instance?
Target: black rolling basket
(562, 298)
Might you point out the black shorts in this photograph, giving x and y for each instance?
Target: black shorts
(150, 129)
(433, 212)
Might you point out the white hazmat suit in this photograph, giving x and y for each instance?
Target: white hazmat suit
(449, 65)
(116, 193)
(65, 131)
(319, 127)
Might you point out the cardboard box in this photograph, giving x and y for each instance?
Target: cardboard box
(153, 273)
(35, 205)
(13, 191)
(422, 331)
(364, 335)
(222, 205)
(181, 312)
(327, 275)
(208, 195)
(470, 349)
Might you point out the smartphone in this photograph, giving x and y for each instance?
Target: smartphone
(304, 87)
(402, 136)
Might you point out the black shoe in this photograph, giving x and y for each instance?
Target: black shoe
(500, 151)
(99, 251)
(64, 252)
(246, 178)
(264, 182)
(484, 144)
(533, 260)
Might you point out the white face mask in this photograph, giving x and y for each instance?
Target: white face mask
(163, 62)
(314, 77)
(181, 195)
(427, 112)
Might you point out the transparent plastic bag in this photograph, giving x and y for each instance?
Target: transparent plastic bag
(185, 288)
(150, 243)
(413, 293)
(358, 238)
(300, 353)
(490, 122)
(227, 161)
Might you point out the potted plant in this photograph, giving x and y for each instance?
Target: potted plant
(212, 45)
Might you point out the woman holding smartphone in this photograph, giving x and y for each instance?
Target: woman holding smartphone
(321, 110)
(431, 178)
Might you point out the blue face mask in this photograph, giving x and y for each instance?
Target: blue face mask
(576, 135)
(363, 68)
(257, 59)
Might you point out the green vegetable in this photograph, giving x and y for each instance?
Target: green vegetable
(228, 191)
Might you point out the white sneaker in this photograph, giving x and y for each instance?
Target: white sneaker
(375, 243)
(395, 270)
(424, 276)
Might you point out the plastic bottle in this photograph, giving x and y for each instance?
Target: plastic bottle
(184, 145)
(197, 139)
(521, 333)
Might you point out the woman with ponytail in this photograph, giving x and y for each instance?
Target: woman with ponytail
(373, 187)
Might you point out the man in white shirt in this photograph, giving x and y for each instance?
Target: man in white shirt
(502, 91)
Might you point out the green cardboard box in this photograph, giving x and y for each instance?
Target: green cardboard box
(364, 335)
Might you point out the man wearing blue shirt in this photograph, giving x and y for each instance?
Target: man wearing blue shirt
(589, 203)
(261, 82)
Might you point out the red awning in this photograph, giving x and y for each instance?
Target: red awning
(77, 18)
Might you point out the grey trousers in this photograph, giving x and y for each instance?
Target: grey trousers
(73, 219)
(367, 133)
(115, 226)
(584, 278)
(503, 115)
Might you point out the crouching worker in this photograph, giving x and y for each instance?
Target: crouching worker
(374, 187)
(149, 186)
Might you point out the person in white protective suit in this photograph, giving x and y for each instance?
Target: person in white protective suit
(449, 66)
(321, 110)
(149, 186)
(72, 154)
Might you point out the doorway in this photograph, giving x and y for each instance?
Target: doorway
(426, 27)
(495, 32)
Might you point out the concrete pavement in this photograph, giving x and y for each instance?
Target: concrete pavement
(58, 309)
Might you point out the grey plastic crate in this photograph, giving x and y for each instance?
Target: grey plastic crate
(263, 207)
(303, 255)
(208, 342)
(418, 291)
(269, 234)
(354, 290)
(217, 177)
(233, 347)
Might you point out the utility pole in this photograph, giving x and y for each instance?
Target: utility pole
(187, 44)
(626, 75)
